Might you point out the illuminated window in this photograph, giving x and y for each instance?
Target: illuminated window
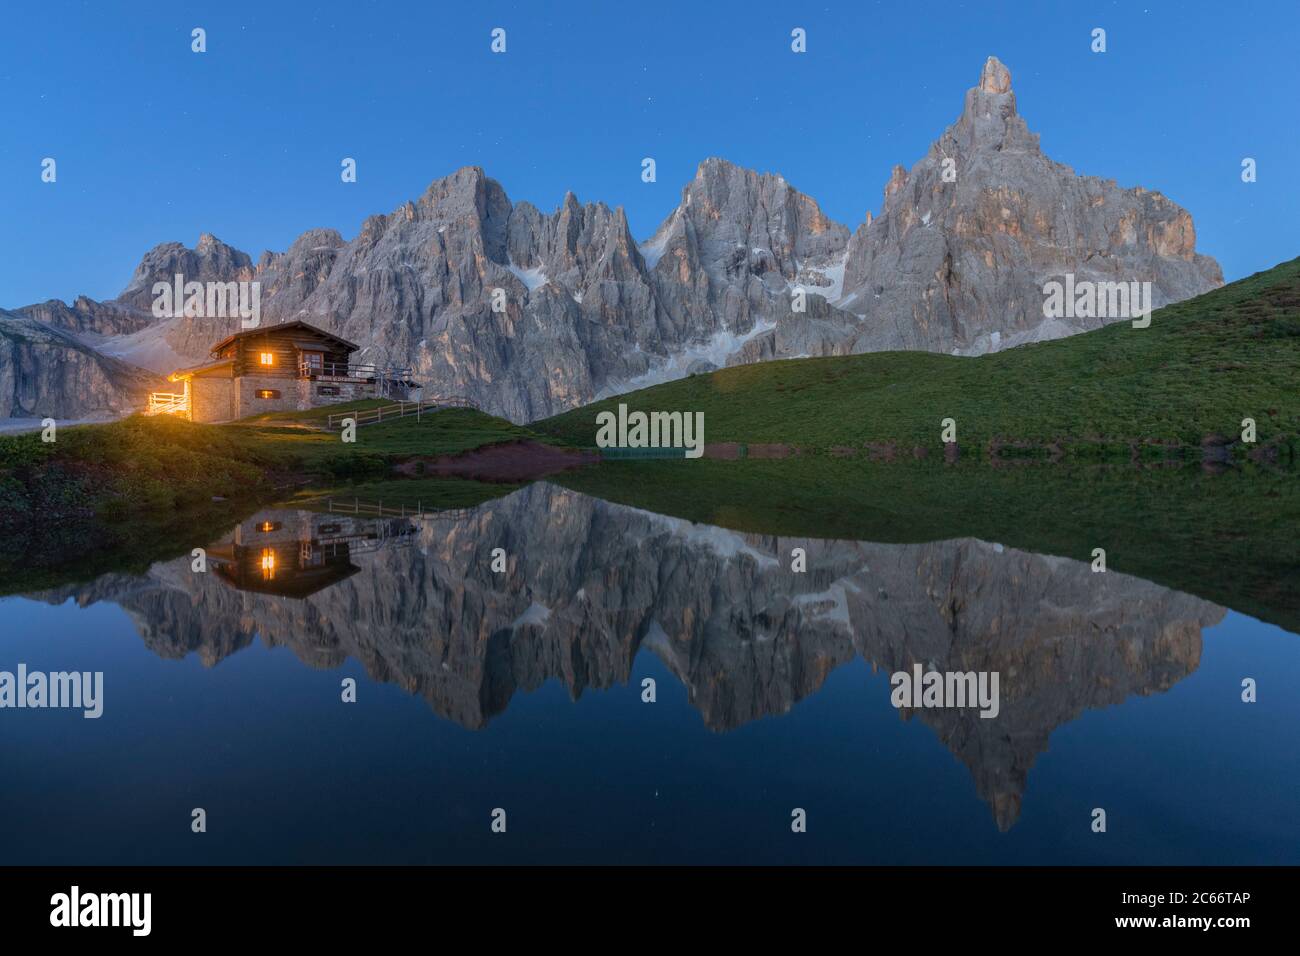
(268, 358)
(267, 393)
(268, 564)
(269, 526)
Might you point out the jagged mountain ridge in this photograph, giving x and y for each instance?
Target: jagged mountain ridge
(585, 310)
(948, 266)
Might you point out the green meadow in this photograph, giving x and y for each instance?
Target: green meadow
(142, 464)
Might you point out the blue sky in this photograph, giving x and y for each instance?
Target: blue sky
(155, 143)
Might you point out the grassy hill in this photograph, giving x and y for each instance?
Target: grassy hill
(448, 431)
(162, 464)
(1200, 368)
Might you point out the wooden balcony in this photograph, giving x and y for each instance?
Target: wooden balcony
(354, 372)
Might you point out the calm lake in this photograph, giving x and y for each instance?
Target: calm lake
(524, 689)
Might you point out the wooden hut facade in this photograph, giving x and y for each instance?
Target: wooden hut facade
(293, 366)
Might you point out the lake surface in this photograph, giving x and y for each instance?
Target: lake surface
(522, 689)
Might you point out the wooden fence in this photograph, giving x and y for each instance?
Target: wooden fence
(388, 413)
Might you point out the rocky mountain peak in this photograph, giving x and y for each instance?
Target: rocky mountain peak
(995, 77)
(989, 119)
(958, 259)
(466, 187)
(466, 203)
(296, 272)
(897, 179)
(318, 240)
(208, 244)
(736, 220)
(955, 262)
(716, 176)
(209, 260)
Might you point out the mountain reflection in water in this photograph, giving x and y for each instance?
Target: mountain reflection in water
(414, 599)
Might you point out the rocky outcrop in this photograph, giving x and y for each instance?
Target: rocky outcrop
(961, 265)
(46, 371)
(85, 315)
(591, 584)
(210, 260)
(531, 313)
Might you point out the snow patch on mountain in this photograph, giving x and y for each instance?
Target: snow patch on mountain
(714, 352)
(653, 250)
(532, 279)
